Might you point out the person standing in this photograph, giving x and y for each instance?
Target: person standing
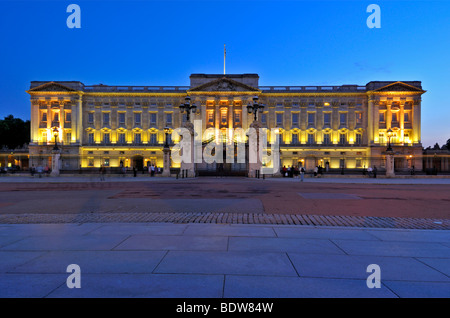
(374, 171)
(102, 173)
(302, 173)
(369, 171)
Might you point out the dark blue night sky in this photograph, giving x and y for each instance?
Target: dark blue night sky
(285, 42)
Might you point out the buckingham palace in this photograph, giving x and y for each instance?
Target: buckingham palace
(336, 127)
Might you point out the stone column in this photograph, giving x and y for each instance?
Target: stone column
(371, 120)
(416, 122)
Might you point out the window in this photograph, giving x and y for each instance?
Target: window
(223, 117)
(169, 118)
(358, 163)
(121, 138)
(122, 118)
(210, 116)
(91, 138)
(44, 116)
(90, 118)
(382, 117)
(381, 138)
(106, 138)
(406, 117)
(406, 138)
(394, 117)
(263, 118)
(137, 118)
(326, 118)
(153, 138)
(90, 162)
(294, 118)
(358, 140)
(343, 118)
(311, 118)
(342, 139)
(68, 117)
(279, 118)
(153, 118)
(358, 118)
(105, 119)
(295, 138)
(106, 162)
(237, 117)
(310, 139)
(68, 138)
(326, 139)
(56, 117)
(137, 138)
(44, 137)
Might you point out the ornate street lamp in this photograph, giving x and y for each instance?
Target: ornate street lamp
(255, 107)
(389, 135)
(55, 133)
(188, 108)
(166, 131)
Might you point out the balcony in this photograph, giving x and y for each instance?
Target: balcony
(316, 89)
(135, 89)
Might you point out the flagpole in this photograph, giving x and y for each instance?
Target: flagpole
(224, 55)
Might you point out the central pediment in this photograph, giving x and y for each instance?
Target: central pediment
(52, 87)
(224, 85)
(398, 87)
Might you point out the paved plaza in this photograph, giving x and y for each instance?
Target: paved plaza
(224, 238)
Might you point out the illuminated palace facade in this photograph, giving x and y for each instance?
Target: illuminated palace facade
(337, 127)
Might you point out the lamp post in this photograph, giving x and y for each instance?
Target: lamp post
(166, 131)
(55, 153)
(166, 155)
(389, 156)
(255, 107)
(55, 133)
(389, 135)
(188, 108)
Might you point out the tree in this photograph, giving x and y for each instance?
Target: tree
(14, 132)
(446, 146)
(436, 147)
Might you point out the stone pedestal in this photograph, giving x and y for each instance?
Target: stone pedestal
(55, 163)
(166, 161)
(188, 167)
(390, 164)
(276, 156)
(254, 160)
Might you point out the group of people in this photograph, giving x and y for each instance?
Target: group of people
(152, 169)
(40, 170)
(371, 172)
(293, 172)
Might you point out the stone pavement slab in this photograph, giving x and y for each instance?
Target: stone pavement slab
(355, 267)
(196, 260)
(393, 248)
(92, 262)
(283, 245)
(144, 286)
(230, 262)
(298, 287)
